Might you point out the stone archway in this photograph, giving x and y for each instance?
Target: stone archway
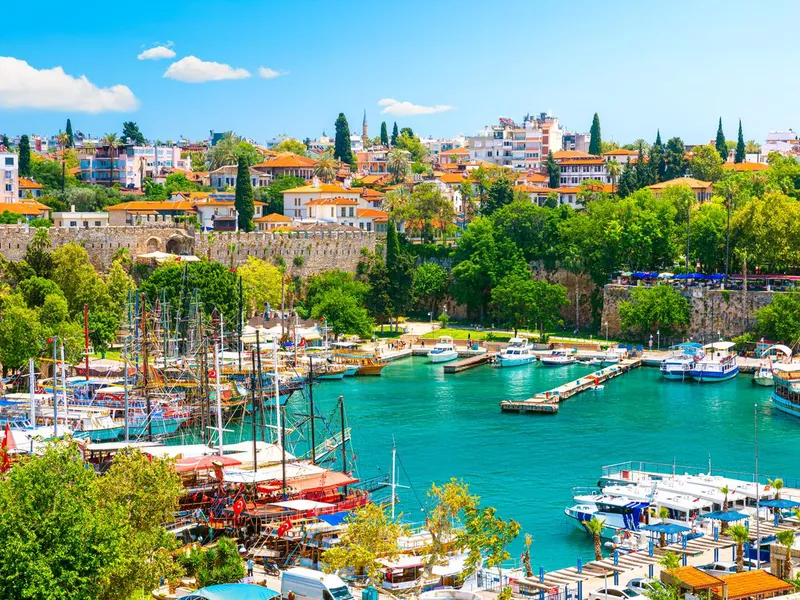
(153, 244)
(179, 243)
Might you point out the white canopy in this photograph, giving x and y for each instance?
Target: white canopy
(779, 348)
(302, 504)
(293, 471)
(183, 451)
(720, 345)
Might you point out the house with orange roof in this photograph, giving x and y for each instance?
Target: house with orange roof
(372, 161)
(296, 200)
(272, 221)
(702, 190)
(746, 167)
(576, 167)
(373, 198)
(73, 219)
(373, 181)
(28, 188)
(454, 156)
(26, 209)
(225, 177)
(621, 155)
(287, 163)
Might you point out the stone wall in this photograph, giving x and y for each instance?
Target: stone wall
(320, 250)
(711, 312)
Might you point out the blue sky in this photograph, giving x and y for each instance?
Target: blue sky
(677, 66)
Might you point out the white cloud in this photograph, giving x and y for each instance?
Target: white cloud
(23, 86)
(157, 53)
(268, 73)
(407, 109)
(193, 70)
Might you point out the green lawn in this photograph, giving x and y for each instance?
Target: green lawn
(462, 334)
(110, 354)
(386, 333)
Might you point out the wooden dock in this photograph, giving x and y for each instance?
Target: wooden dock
(469, 362)
(547, 402)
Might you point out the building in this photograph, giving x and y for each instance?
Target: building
(287, 164)
(9, 177)
(579, 142)
(225, 177)
(372, 161)
(576, 167)
(356, 143)
(129, 165)
(436, 146)
(621, 155)
(454, 156)
(27, 210)
(702, 190)
(82, 220)
(28, 188)
(296, 200)
(139, 212)
(783, 142)
(272, 221)
(518, 146)
(746, 167)
(365, 131)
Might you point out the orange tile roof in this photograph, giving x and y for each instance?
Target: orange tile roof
(534, 189)
(451, 177)
(752, 583)
(695, 578)
(24, 208)
(332, 201)
(560, 154)
(455, 151)
(740, 167)
(371, 213)
(620, 152)
(273, 218)
(370, 193)
(145, 205)
(28, 184)
(288, 161)
(372, 179)
(582, 161)
(536, 177)
(322, 188)
(690, 181)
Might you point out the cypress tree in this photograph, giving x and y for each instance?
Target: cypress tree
(392, 244)
(395, 134)
(399, 266)
(341, 146)
(720, 144)
(384, 135)
(553, 171)
(657, 159)
(70, 137)
(741, 153)
(595, 141)
(245, 208)
(24, 156)
(4, 142)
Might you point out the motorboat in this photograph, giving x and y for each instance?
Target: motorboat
(678, 366)
(518, 352)
(717, 362)
(611, 357)
(764, 376)
(786, 388)
(616, 512)
(443, 351)
(557, 358)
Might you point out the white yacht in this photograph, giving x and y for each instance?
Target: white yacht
(764, 376)
(717, 362)
(678, 366)
(443, 351)
(518, 352)
(557, 358)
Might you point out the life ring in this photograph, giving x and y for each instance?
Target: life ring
(212, 374)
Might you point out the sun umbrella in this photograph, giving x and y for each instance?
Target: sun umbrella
(782, 503)
(728, 516)
(204, 463)
(666, 275)
(665, 528)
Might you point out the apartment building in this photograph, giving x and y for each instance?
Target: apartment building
(9, 177)
(576, 167)
(521, 147)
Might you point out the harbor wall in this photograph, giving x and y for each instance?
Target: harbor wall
(711, 312)
(319, 251)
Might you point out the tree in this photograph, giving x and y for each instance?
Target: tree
(343, 312)
(657, 159)
(393, 141)
(35, 289)
(705, 164)
(24, 164)
(245, 209)
(430, 209)
(613, 168)
(384, 134)
(670, 561)
(595, 140)
(486, 537)
(721, 145)
(777, 485)
(229, 149)
(740, 535)
(370, 534)
(660, 307)
(272, 195)
(674, 159)
(399, 266)
(708, 236)
(595, 527)
(292, 145)
(500, 194)
(37, 253)
(5, 143)
(130, 130)
(430, 285)
(786, 539)
(527, 225)
(261, 284)
(397, 164)
(741, 149)
(21, 335)
(547, 301)
(553, 171)
(378, 300)
(70, 136)
(77, 278)
(752, 147)
(325, 168)
(513, 298)
(341, 146)
(412, 144)
(103, 328)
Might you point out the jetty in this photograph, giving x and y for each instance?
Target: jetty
(469, 362)
(547, 402)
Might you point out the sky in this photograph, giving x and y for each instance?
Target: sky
(441, 67)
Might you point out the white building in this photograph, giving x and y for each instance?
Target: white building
(784, 142)
(225, 177)
(520, 147)
(129, 165)
(296, 200)
(576, 167)
(436, 146)
(621, 155)
(9, 177)
(356, 143)
(80, 220)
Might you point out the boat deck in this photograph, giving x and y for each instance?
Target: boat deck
(469, 362)
(547, 402)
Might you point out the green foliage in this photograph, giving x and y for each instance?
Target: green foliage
(430, 285)
(675, 162)
(49, 173)
(292, 145)
(657, 159)
(384, 134)
(765, 227)
(24, 164)
(70, 136)
(427, 210)
(21, 334)
(553, 171)
(660, 307)
(131, 131)
(229, 150)
(219, 564)
(378, 300)
(35, 289)
(706, 164)
(500, 193)
(399, 268)
(720, 145)
(92, 198)
(741, 151)
(397, 164)
(780, 320)
(393, 140)
(77, 278)
(245, 208)
(411, 143)
(343, 312)
(707, 237)
(513, 298)
(341, 146)
(261, 284)
(37, 253)
(595, 139)
(272, 196)
(41, 223)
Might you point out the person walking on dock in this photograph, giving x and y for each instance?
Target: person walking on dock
(250, 566)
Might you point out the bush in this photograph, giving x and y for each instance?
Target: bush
(298, 261)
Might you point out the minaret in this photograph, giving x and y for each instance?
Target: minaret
(365, 131)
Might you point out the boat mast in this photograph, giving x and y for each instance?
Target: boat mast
(253, 404)
(239, 328)
(283, 455)
(203, 378)
(219, 396)
(758, 488)
(344, 450)
(277, 390)
(311, 408)
(64, 384)
(260, 387)
(394, 481)
(55, 386)
(149, 418)
(125, 384)
(32, 392)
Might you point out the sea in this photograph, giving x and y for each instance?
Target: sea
(526, 465)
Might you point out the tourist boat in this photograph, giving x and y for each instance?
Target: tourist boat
(617, 512)
(557, 358)
(443, 351)
(786, 388)
(678, 366)
(611, 357)
(716, 363)
(331, 371)
(517, 353)
(350, 370)
(764, 376)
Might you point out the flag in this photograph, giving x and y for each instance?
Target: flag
(5, 448)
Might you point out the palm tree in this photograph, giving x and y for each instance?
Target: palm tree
(613, 168)
(740, 535)
(725, 490)
(526, 556)
(225, 152)
(112, 141)
(786, 539)
(670, 561)
(663, 513)
(397, 165)
(325, 168)
(595, 527)
(778, 485)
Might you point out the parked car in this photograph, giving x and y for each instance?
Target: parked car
(721, 567)
(615, 592)
(643, 585)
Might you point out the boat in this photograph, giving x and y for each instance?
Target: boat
(715, 363)
(678, 365)
(557, 358)
(764, 376)
(611, 357)
(617, 512)
(443, 351)
(330, 372)
(786, 388)
(518, 352)
(350, 370)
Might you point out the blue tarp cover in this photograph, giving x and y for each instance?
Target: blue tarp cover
(782, 503)
(728, 516)
(335, 518)
(665, 528)
(232, 591)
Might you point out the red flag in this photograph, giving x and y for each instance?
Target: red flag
(8, 444)
(239, 506)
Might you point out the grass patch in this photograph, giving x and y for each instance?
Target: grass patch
(110, 355)
(386, 333)
(462, 334)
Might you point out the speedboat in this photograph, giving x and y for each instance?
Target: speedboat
(443, 351)
(517, 353)
(764, 376)
(616, 512)
(717, 362)
(678, 366)
(557, 358)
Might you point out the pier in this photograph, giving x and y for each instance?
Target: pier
(547, 402)
(469, 362)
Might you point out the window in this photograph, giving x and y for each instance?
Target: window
(351, 212)
(9, 187)
(9, 174)
(9, 161)
(73, 223)
(97, 223)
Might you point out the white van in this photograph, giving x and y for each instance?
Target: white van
(308, 584)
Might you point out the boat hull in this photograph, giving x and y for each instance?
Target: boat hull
(783, 405)
(100, 435)
(442, 357)
(160, 427)
(350, 370)
(676, 375)
(371, 370)
(514, 362)
(762, 380)
(714, 377)
(547, 362)
(331, 376)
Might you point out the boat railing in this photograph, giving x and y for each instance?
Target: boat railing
(624, 470)
(586, 491)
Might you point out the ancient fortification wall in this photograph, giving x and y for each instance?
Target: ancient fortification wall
(319, 250)
(711, 312)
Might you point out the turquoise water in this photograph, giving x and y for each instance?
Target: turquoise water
(526, 465)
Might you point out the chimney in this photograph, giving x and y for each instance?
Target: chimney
(72, 208)
(315, 181)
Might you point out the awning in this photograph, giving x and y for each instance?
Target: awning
(329, 479)
(453, 567)
(334, 519)
(782, 503)
(727, 516)
(204, 463)
(667, 528)
(233, 591)
(401, 562)
(301, 504)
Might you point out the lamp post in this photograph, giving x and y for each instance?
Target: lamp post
(719, 335)
(658, 335)
(606, 331)
(650, 342)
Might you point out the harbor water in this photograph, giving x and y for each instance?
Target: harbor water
(526, 465)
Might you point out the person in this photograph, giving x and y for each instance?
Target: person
(250, 567)
(291, 596)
